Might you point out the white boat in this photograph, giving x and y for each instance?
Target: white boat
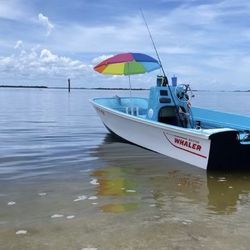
(166, 123)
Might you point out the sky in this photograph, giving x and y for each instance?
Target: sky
(204, 43)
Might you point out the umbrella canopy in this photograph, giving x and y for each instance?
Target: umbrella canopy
(127, 64)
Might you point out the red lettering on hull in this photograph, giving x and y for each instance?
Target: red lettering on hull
(187, 144)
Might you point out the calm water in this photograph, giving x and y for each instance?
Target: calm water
(65, 183)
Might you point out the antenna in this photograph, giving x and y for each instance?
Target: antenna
(152, 40)
(163, 71)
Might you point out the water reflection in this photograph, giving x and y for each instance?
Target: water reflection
(119, 208)
(227, 193)
(113, 183)
(155, 180)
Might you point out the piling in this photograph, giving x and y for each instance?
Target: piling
(68, 84)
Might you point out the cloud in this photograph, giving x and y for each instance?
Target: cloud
(19, 44)
(44, 21)
(171, 31)
(32, 66)
(201, 41)
(40, 66)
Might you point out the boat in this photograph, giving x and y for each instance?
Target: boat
(165, 122)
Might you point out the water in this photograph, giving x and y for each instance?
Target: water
(65, 183)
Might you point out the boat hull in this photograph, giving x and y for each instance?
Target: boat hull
(165, 139)
(212, 149)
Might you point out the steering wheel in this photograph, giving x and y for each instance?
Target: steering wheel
(181, 92)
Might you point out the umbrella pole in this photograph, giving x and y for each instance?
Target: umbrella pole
(130, 88)
(130, 94)
(130, 91)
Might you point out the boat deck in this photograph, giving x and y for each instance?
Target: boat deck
(134, 106)
(221, 119)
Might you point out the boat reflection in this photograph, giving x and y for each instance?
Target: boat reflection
(228, 193)
(135, 177)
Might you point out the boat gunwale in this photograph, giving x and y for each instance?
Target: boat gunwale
(201, 133)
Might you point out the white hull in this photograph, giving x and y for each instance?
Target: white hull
(190, 146)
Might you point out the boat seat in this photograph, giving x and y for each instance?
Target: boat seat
(132, 111)
(168, 115)
(172, 120)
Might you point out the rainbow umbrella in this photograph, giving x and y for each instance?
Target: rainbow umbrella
(127, 64)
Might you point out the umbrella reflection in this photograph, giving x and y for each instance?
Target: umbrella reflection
(119, 208)
(113, 183)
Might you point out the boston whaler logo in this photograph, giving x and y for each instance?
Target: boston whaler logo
(187, 144)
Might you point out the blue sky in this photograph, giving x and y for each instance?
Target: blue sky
(204, 43)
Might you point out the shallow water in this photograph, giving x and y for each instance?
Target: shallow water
(65, 183)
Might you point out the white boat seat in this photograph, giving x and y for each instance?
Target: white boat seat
(132, 110)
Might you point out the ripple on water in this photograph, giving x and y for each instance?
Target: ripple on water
(93, 198)
(20, 232)
(94, 182)
(81, 198)
(55, 216)
(69, 217)
(11, 203)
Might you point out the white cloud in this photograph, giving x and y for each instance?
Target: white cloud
(202, 43)
(44, 20)
(19, 44)
(38, 66)
(47, 57)
(173, 33)
(31, 66)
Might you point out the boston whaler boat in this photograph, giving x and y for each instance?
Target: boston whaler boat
(166, 123)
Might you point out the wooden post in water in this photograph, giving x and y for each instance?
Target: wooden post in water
(68, 84)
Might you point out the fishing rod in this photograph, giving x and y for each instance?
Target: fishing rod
(163, 71)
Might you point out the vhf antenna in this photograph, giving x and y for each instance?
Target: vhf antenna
(152, 40)
(163, 71)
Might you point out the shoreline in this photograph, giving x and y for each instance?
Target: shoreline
(25, 87)
(103, 88)
(46, 87)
